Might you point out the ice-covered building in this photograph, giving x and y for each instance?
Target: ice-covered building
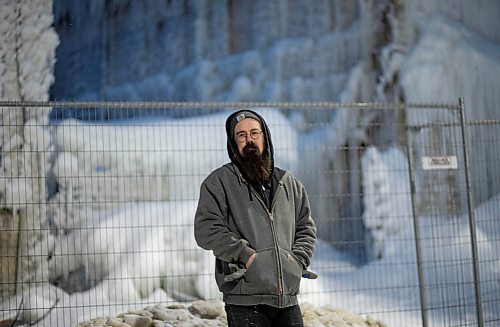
(342, 50)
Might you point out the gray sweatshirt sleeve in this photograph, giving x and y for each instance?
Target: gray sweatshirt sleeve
(305, 231)
(210, 226)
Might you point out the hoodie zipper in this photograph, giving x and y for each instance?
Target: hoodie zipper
(278, 261)
(275, 238)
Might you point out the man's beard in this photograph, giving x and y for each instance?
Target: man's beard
(255, 165)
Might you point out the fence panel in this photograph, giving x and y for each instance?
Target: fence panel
(112, 230)
(443, 225)
(484, 152)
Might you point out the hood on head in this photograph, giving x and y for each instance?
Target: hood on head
(233, 119)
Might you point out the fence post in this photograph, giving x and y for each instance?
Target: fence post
(420, 271)
(472, 220)
(9, 239)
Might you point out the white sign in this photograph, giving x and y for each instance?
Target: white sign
(441, 162)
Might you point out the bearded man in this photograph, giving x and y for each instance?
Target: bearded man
(256, 219)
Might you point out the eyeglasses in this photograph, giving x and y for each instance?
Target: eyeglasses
(241, 137)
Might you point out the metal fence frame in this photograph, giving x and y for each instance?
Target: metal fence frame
(461, 123)
(460, 108)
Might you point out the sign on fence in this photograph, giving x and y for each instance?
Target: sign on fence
(441, 162)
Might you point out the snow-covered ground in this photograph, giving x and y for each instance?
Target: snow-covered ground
(145, 254)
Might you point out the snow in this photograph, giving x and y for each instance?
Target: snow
(176, 171)
(385, 203)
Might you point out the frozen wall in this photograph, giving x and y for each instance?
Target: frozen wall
(196, 50)
(261, 50)
(440, 51)
(480, 16)
(27, 53)
(451, 61)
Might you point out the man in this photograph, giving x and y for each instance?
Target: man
(256, 219)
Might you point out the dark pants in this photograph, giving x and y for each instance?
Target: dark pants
(263, 316)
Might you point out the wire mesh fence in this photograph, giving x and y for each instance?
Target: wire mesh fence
(98, 199)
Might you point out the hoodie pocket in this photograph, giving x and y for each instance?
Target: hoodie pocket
(222, 270)
(262, 276)
(292, 272)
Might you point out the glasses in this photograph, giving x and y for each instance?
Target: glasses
(241, 137)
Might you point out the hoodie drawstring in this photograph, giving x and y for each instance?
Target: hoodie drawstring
(286, 191)
(249, 192)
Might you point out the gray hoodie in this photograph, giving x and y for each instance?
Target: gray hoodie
(234, 222)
